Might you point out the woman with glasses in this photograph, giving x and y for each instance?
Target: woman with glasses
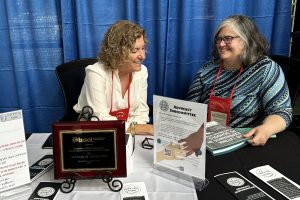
(242, 86)
(116, 86)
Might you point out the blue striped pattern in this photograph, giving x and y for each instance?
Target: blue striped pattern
(260, 91)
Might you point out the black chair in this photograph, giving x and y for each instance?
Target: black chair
(291, 69)
(71, 77)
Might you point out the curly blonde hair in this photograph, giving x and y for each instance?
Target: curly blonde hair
(118, 42)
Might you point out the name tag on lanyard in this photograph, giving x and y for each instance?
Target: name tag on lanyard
(218, 107)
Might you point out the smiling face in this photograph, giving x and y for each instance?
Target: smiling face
(230, 53)
(136, 57)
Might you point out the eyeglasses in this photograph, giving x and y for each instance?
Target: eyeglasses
(146, 144)
(226, 39)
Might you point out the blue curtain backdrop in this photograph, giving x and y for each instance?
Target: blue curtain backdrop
(36, 36)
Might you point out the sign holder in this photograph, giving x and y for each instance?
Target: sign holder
(179, 141)
(184, 179)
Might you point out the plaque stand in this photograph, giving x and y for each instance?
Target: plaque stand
(114, 185)
(69, 184)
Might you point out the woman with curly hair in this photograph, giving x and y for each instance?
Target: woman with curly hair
(116, 86)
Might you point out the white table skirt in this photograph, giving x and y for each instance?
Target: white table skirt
(158, 187)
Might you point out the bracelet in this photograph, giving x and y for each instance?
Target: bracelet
(133, 128)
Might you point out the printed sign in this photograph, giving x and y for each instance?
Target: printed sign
(179, 136)
(13, 152)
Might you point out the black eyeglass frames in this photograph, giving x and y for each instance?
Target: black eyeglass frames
(226, 39)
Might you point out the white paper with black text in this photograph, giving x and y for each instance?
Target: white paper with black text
(13, 152)
(134, 191)
(179, 135)
(288, 188)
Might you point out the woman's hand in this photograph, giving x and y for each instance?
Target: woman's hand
(272, 124)
(140, 129)
(144, 129)
(259, 134)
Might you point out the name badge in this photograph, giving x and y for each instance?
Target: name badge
(219, 117)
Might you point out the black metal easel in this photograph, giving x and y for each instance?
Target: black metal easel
(114, 185)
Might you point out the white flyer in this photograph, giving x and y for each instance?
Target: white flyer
(179, 136)
(134, 191)
(13, 152)
(288, 188)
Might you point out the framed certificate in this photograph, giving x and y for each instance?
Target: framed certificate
(89, 149)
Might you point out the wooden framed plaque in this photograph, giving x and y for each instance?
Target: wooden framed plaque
(89, 149)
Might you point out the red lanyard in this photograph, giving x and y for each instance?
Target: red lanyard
(217, 77)
(218, 107)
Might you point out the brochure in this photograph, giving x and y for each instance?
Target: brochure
(45, 191)
(221, 139)
(40, 167)
(247, 129)
(134, 191)
(270, 176)
(240, 187)
(179, 136)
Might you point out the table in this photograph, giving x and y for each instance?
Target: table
(157, 186)
(282, 153)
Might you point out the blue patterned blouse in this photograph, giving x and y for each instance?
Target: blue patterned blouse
(260, 91)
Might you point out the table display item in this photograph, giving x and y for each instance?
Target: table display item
(240, 187)
(40, 167)
(222, 139)
(14, 173)
(179, 140)
(270, 176)
(48, 144)
(89, 149)
(134, 191)
(45, 191)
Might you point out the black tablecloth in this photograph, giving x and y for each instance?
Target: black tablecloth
(282, 153)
